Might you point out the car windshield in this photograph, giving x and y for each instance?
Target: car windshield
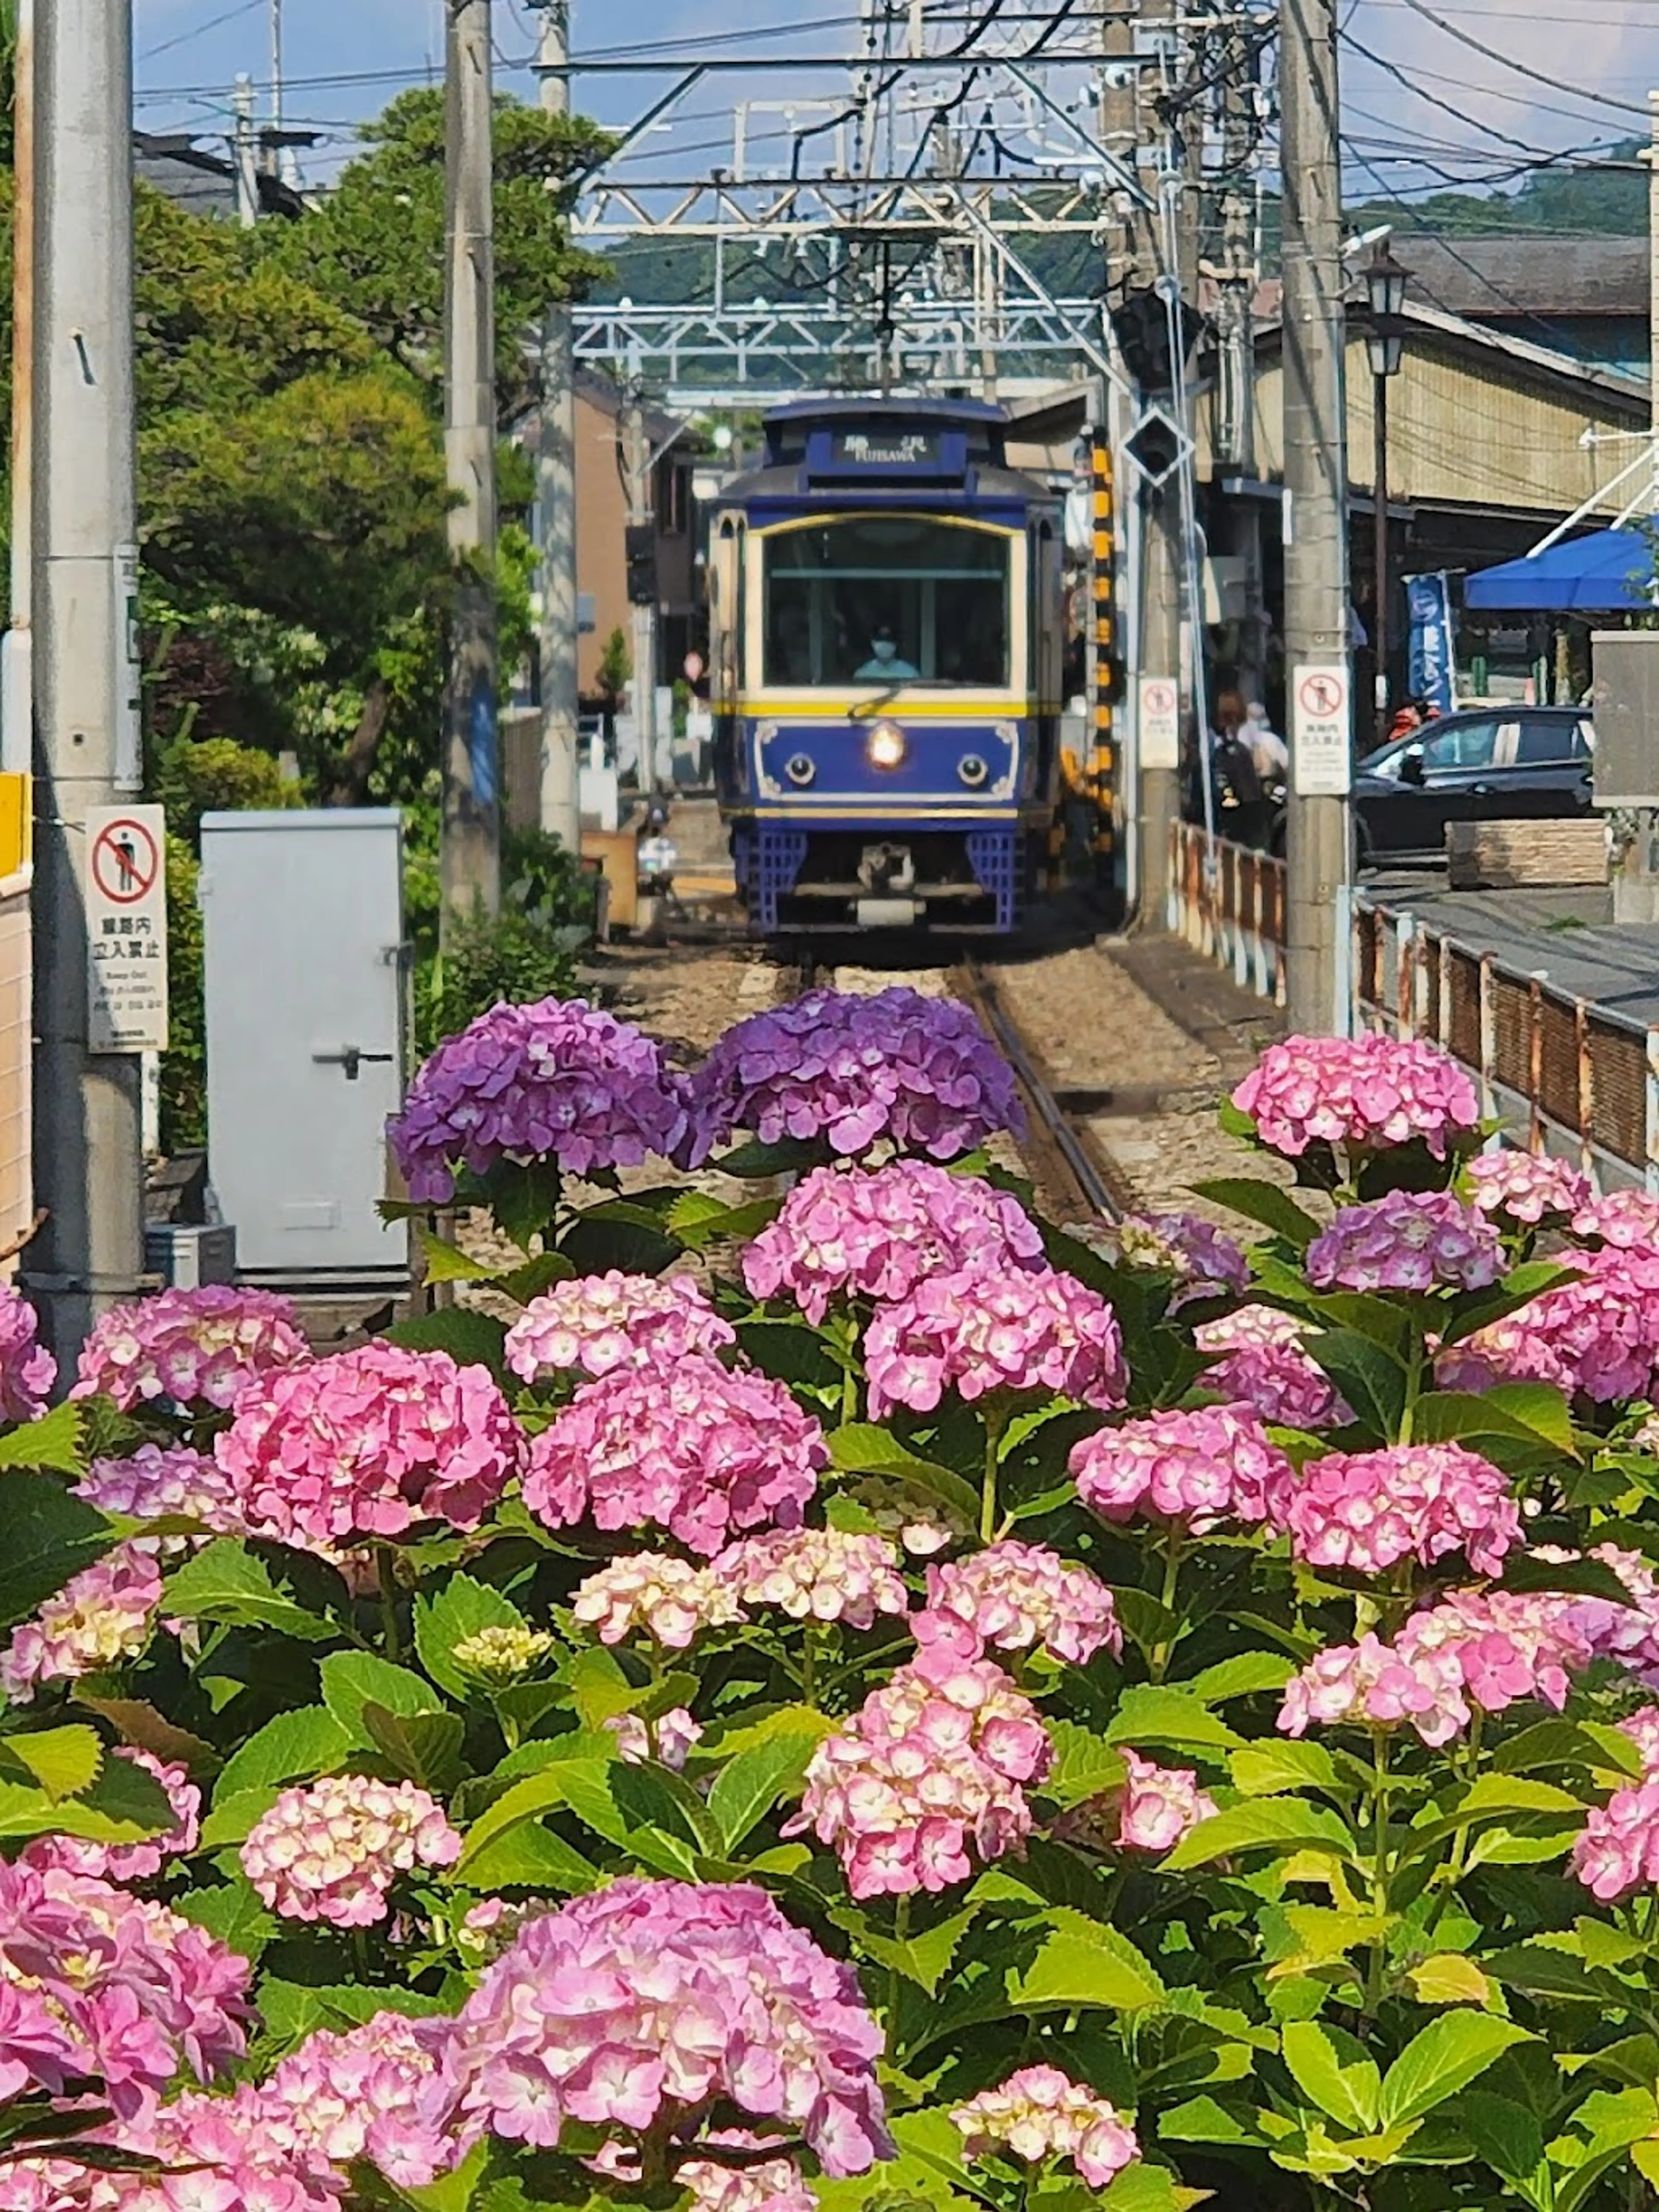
(886, 599)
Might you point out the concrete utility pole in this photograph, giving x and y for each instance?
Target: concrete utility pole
(471, 849)
(637, 465)
(1319, 672)
(1237, 276)
(87, 1171)
(556, 484)
(16, 660)
(245, 154)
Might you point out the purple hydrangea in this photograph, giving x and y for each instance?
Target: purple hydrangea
(28, 1369)
(1408, 1241)
(920, 1074)
(559, 1080)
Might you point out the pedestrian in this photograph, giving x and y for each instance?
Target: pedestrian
(1269, 751)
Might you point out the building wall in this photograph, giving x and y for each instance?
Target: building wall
(1467, 430)
(601, 535)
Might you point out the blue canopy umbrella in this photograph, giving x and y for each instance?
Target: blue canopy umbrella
(1610, 572)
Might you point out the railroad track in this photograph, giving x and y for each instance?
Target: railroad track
(1059, 1155)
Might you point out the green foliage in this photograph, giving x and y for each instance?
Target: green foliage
(209, 775)
(528, 953)
(616, 664)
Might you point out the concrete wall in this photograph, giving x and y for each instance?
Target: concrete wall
(602, 537)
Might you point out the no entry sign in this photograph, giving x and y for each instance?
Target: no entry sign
(126, 930)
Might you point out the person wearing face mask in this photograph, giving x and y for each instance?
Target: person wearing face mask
(883, 663)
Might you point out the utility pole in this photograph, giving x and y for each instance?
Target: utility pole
(636, 467)
(17, 663)
(87, 1170)
(556, 484)
(1316, 612)
(245, 155)
(1237, 276)
(471, 861)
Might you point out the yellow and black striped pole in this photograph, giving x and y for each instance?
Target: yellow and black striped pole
(1102, 772)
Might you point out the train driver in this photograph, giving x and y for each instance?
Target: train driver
(884, 665)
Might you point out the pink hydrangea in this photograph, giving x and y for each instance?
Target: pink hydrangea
(918, 1073)
(1203, 1259)
(846, 1232)
(1507, 1644)
(600, 1322)
(1642, 1729)
(1262, 1363)
(702, 1451)
(1619, 1849)
(1159, 1805)
(1408, 1241)
(657, 1594)
(1512, 1349)
(1627, 1220)
(102, 1616)
(201, 1347)
(1201, 1468)
(1040, 2113)
(1598, 1333)
(979, 1331)
(1371, 1684)
(930, 1766)
(369, 1442)
(558, 1080)
(637, 2008)
(163, 1482)
(1367, 1094)
(356, 2094)
(1628, 1634)
(94, 1983)
(332, 1850)
(668, 1740)
(815, 1574)
(1368, 1510)
(131, 1862)
(28, 1369)
(1527, 1188)
(1013, 1595)
(768, 2185)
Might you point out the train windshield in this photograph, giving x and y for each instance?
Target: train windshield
(886, 599)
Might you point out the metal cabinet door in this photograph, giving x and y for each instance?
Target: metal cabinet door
(303, 927)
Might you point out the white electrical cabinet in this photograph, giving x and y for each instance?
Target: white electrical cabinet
(305, 960)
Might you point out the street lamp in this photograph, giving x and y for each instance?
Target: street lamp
(1385, 342)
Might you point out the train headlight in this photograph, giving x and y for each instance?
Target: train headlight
(800, 769)
(973, 770)
(887, 746)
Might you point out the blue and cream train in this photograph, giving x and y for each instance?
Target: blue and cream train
(885, 614)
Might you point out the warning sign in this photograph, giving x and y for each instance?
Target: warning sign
(1160, 723)
(126, 930)
(1321, 743)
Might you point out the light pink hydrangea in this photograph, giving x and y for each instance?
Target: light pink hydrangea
(1013, 1595)
(1159, 1804)
(1642, 1729)
(95, 1983)
(1626, 1220)
(1370, 1684)
(131, 1862)
(1366, 1094)
(1262, 1363)
(332, 1850)
(930, 1766)
(1204, 1259)
(702, 1451)
(655, 1594)
(1527, 1188)
(1619, 1849)
(1628, 1634)
(28, 1369)
(1368, 1510)
(770, 2184)
(815, 1574)
(355, 2094)
(639, 2007)
(847, 1232)
(201, 1347)
(1507, 1644)
(669, 1738)
(1040, 2113)
(597, 1323)
(980, 1332)
(922, 1527)
(1201, 1468)
(102, 1616)
(369, 1442)
(1598, 1335)
(1408, 1241)
(162, 1482)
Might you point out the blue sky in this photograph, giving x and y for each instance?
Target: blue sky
(189, 51)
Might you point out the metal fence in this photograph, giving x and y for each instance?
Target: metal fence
(1565, 1074)
(1228, 902)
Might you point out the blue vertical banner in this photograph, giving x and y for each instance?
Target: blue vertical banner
(1432, 660)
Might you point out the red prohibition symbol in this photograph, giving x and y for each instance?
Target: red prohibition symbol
(126, 862)
(1321, 696)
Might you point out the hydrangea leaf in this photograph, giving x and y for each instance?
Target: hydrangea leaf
(460, 1609)
(226, 1582)
(50, 1535)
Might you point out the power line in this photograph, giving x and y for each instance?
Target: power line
(200, 30)
(1508, 62)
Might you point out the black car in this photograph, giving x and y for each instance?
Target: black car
(1490, 764)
